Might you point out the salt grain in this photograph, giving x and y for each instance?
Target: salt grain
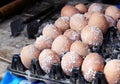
(69, 61)
(95, 7)
(65, 18)
(90, 74)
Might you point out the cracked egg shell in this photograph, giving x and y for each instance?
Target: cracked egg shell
(61, 45)
(51, 31)
(63, 23)
(99, 20)
(113, 11)
(69, 10)
(69, 61)
(92, 36)
(80, 48)
(47, 58)
(81, 7)
(91, 64)
(112, 71)
(27, 54)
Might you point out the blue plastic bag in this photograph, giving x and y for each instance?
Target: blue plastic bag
(9, 78)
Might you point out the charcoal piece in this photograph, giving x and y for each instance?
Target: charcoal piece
(76, 77)
(17, 64)
(35, 68)
(106, 55)
(102, 50)
(32, 28)
(118, 56)
(17, 27)
(115, 53)
(99, 78)
(110, 44)
(56, 72)
(111, 34)
(118, 35)
(117, 45)
(95, 49)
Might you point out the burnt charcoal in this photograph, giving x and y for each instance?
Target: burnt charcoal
(77, 77)
(52, 71)
(17, 64)
(112, 29)
(35, 67)
(99, 78)
(118, 35)
(32, 28)
(16, 27)
(118, 56)
(116, 53)
(95, 49)
(102, 51)
(111, 44)
(107, 56)
(110, 35)
(114, 56)
(56, 72)
(117, 46)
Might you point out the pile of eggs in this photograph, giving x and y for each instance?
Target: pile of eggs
(67, 42)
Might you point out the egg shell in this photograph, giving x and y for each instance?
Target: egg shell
(91, 64)
(78, 22)
(47, 58)
(69, 61)
(72, 34)
(51, 31)
(112, 71)
(63, 23)
(61, 45)
(113, 11)
(69, 10)
(80, 48)
(110, 20)
(96, 7)
(43, 42)
(99, 20)
(81, 7)
(28, 53)
(88, 15)
(92, 36)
